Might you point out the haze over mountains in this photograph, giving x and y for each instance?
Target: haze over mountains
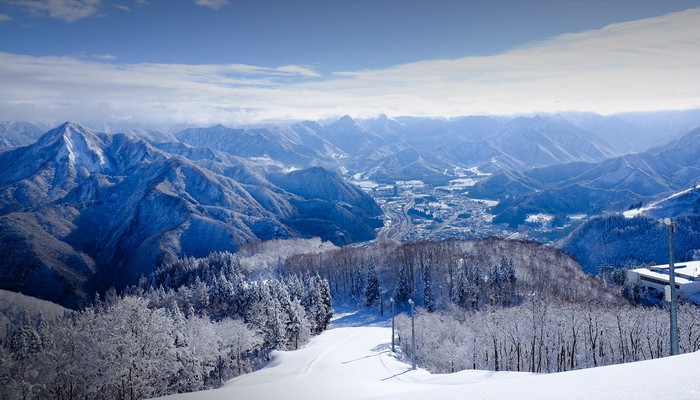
(81, 210)
(592, 188)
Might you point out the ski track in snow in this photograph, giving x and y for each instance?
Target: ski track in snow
(352, 360)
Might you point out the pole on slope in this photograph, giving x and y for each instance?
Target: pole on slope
(413, 336)
(391, 300)
(672, 284)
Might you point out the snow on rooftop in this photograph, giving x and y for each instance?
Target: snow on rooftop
(685, 271)
(354, 361)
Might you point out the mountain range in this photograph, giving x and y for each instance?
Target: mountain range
(613, 184)
(81, 210)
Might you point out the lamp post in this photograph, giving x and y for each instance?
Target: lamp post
(413, 336)
(672, 291)
(391, 300)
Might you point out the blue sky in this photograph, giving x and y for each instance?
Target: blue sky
(248, 61)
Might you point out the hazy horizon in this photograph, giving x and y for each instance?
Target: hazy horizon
(241, 63)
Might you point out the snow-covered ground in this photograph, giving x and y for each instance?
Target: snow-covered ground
(353, 361)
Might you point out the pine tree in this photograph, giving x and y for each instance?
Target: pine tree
(25, 341)
(372, 288)
(318, 303)
(460, 291)
(402, 288)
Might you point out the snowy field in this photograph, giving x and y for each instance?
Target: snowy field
(352, 360)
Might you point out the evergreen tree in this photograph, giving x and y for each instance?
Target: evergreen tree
(318, 303)
(372, 289)
(25, 341)
(402, 288)
(460, 290)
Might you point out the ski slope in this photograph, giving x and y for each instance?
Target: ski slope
(353, 360)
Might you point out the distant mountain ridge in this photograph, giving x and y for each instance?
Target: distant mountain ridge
(82, 210)
(592, 188)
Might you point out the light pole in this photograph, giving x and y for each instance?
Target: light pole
(672, 291)
(413, 336)
(391, 300)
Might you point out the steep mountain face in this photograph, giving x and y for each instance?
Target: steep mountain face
(82, 210)
(591, 188)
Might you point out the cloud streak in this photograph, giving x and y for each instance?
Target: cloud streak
(66, 10)
(215, 4)
(641, 65)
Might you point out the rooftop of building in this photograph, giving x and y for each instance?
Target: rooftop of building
(686, 272)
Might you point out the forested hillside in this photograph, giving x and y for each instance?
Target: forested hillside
(616, 241)
(194, 324)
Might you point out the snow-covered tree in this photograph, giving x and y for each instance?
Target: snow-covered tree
(372, 288)
(402, 286)
(428, 297)
(318, 303)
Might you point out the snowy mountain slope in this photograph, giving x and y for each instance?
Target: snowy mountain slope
(18, 133)
(684, 202)
(354, 138)
(542, 141)
(354, 361)
(295, 147)
(592, 188)
(82, 210)
(410, 164)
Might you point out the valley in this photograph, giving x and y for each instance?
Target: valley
(387, 199)
(201, 189)
(418, 211)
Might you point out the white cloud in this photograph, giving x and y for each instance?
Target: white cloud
(642, 65)
(215, 4)
(122, 7)
(66, 10)
(4, 18)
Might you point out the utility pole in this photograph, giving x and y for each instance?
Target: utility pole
(672, 291)
(413, 336)
(391, 300)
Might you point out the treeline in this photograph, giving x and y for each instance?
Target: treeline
(499, 304)
(544, 336)
(487, 304)
(473, 274)
(191, 326)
